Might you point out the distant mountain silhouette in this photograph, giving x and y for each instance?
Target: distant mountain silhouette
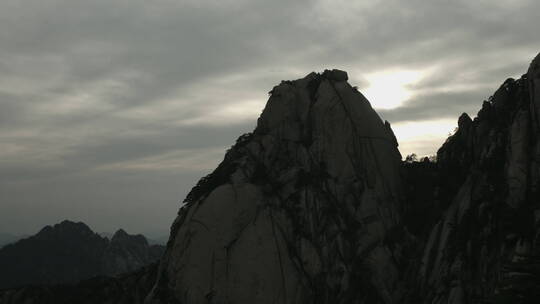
(316, 206)
(160, 240)
(68, 252)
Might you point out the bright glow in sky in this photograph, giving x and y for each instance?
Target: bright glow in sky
(389, 89)
(418, 137)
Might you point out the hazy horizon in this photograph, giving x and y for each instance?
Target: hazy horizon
(111, 111)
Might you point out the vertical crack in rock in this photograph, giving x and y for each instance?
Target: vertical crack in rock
(486, 246)
(308, 192)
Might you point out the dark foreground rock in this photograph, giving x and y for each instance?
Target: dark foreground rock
(69, 252)
(125, 289)
(485, 246)
(315, 206)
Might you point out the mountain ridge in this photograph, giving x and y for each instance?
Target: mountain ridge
(70, 251)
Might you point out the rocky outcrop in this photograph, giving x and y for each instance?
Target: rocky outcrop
(299, 211)
(486, 246)
(312, 208)
(68, 252)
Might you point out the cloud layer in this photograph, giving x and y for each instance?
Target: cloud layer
(111, 110)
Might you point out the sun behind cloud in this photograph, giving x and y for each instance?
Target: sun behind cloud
(390, 89)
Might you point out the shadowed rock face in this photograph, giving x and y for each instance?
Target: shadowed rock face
(124, 289)
(310, 207)
(486, 246)
(299, 211)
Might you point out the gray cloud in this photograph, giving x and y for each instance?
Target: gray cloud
(436, 105)
(111, 109)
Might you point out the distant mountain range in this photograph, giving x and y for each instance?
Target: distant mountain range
(160, 240)
(69, 252)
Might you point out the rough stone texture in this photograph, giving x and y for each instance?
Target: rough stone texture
(325, 179)
(297, 212)
(486, 246)
(310, 208)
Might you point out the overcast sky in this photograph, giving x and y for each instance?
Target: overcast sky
(110, 110)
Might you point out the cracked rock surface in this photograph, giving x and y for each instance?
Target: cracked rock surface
(485, 248)
(299, 211)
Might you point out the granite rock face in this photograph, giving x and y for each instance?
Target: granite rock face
(68, 252)
(299, 211)
(313, 207)
(486, 246)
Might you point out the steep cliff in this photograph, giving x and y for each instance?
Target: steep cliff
(486, 245)
(313, 203)
(299, 211)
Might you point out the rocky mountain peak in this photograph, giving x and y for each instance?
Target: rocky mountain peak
(322, 112)
(120, 233)
(66, 227)
(123, 240)
(335, 75)
(464, 121)
(301, 206)
(122, 236)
